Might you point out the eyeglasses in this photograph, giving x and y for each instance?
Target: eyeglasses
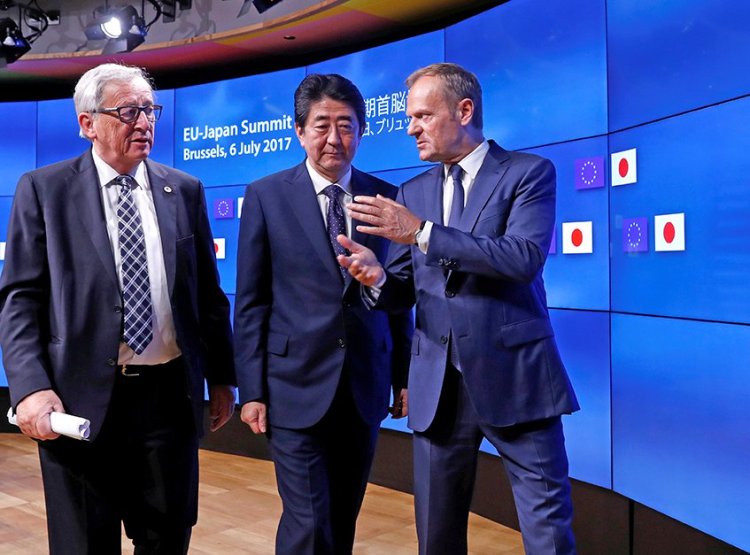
(129, 114)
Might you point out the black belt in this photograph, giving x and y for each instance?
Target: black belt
(139, 370)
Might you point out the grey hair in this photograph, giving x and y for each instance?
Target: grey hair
(89, 90)
(458, 83)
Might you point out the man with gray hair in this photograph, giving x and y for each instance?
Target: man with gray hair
(470, 239)
(110, 309)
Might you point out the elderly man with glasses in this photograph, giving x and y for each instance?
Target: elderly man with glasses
(110, 309)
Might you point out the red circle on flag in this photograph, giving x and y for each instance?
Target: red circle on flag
(216, 248)
(669, 232)
(576, 237)
(623, 167)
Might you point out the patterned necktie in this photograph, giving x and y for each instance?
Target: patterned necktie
(136, 289)
(336, 220)
(457, 206)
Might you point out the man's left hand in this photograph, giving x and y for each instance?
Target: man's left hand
(387, 218)
(220, 405)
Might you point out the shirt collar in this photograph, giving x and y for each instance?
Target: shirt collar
(320, 182)
(107, 173)
(472, 162)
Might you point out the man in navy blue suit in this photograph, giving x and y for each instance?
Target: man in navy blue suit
(112, 311)
(473, 234)
(315, 366)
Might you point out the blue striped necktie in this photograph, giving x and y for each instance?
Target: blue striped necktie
(136, 288)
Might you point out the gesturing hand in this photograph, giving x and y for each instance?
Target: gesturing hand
(387, 218)
(362, 263)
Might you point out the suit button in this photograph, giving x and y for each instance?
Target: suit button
(450, 294)
(341, 343)
(118, 309)
(441, 262)
(347, 304)
(111, 361)
(443, 339)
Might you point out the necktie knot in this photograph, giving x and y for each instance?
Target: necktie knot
(456, 173)
(332, 192)
(125, 181)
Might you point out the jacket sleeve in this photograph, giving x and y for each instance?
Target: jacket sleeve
(215, 327)
(24, 296)
(253, 300)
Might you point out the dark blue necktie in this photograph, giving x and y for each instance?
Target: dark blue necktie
(457, 206)
(336, 220)
(136, 289)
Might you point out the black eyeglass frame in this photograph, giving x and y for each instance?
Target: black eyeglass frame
(155, 110)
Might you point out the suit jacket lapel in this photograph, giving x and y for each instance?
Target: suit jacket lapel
(165, 203)
(433, 195)
(488, 179)
(300, 193)
(361, 184)
(85, 193)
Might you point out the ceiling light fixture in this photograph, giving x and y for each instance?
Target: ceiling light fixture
(13, 42)
(122, 27)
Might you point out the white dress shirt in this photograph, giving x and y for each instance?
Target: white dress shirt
(320, 183)
(163, 346)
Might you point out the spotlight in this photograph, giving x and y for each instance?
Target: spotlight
(13, 42)
(13, 45)
(123, 28)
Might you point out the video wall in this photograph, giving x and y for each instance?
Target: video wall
(643, 109)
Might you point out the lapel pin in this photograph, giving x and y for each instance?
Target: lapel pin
(167, 189)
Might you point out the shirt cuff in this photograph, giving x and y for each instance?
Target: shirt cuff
(423, 237)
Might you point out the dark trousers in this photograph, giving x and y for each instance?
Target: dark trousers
(445, 461)
(322, 474)
(142, 470)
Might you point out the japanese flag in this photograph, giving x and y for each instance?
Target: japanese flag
(240, 200)
(669, 232)
(2, 250)
(624, 167)
(220, 248)
(577, 238)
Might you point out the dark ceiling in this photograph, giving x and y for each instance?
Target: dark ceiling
(208, 41)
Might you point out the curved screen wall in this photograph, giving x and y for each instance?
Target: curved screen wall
(643, 110)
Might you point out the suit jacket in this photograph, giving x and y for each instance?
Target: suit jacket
(298, 323)
(483, 281)
(61, 319)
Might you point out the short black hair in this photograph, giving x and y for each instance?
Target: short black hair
(316, 86)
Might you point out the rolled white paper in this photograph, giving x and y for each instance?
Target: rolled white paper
(63, 424)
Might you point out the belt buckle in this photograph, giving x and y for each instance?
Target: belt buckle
(124, 372)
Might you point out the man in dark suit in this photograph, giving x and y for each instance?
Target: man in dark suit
(112, 311)
(473, 235)
(314, 365)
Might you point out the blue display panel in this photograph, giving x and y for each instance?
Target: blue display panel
(680, 421)
(579, 277)
(239, 130)
(224, 210)
(542, 66)
(57, 132)
(17, 143)
(675, 55)
(59, 139)
(697, 165)
(379, 73)
(399, 177)
(583, 339)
